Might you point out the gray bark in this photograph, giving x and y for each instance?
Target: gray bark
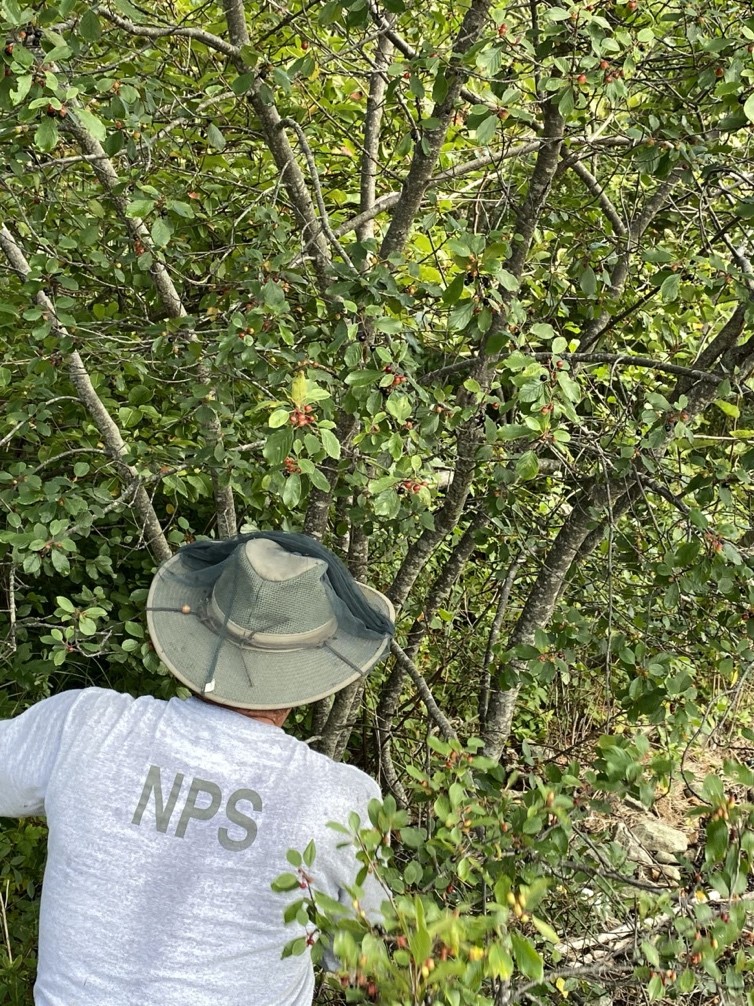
(174, 308)
(372, 129)
(641, 220)
(427, 151)
(468, 441)
(594, 508)
(111, 436)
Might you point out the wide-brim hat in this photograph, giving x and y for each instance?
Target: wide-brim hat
(264, 627)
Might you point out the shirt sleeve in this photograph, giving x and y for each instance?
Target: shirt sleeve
(29, 746)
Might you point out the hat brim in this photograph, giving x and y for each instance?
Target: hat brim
(244, 677)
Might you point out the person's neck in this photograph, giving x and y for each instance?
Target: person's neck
(263, 717)
(273, 717)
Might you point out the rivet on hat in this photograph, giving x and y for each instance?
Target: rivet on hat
(186, 609)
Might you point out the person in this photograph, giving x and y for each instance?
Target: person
(169, 820)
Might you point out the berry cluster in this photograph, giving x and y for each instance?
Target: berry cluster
(411, 486)
(398, 378)
(303, 416)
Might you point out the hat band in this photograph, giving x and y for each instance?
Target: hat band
(274, 640)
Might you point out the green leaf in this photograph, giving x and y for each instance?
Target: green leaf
(528, 961)
(140, 207)
(527, 466)
(278, 446)
(728, 408)
(215, 138)
(399, 406)
(91, 123)
(285, 882)
(454, 290)
(310, 853)
(279, 418)
(686, 981)
(543, 331)
(330, 443)
(545, 929)
(749, 107)
(500, 962)
(89, 26)
(318, 480)
(569, 387)
(513, 431)
(496, 341)
(655, 988)
(292, 490)
(507, 280)
(87, 627)
(670, 287)
(22, 88)
(588, 281)
(65, 604)
(487, 129)
(46, 135)
(413, 872)
(567, 101)
(161, 232)
(243, 83)
(361, 378)
(60, 561)
(180, 209)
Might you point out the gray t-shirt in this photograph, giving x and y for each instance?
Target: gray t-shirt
(168, 821)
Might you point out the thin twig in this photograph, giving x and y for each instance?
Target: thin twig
(631, 361)
(4, 901)
(314, 175)
(423, 688)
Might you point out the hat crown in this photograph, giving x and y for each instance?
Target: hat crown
(266, 589)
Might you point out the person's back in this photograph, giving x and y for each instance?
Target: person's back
(168, 823)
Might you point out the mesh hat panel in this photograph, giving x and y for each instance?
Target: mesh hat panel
(296, 605)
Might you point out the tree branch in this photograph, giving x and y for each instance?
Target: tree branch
(468, 441)
(378, 82)
(598, 191)
(641, 220)
(87, 395)
(469, 436)
(449, 574)
(172, 303)
(324, 218)
(235, 17)
(578, 357)
(427, 150)
(497, 622)
(265, 110)
(388, 200)
(594, 507)
(422, 687)
(410, 53)
(171, 31)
